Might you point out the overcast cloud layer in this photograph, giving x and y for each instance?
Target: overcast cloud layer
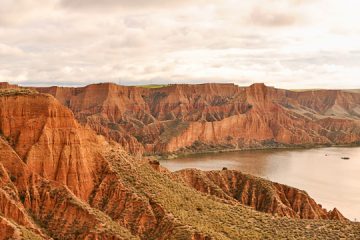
(284, 43)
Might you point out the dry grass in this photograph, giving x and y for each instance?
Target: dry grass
(16, 91)
(210, 215)
(153, 86)
(173, 129)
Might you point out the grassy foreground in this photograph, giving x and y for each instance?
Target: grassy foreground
(215, 217)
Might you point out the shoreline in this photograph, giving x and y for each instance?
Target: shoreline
(303, 181)
(175, 155)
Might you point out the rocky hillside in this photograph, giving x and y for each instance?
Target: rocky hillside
(261, 194)
(60, 180)
(205, 117)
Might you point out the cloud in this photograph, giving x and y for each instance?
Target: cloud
(9, 51)
(125, 4)
(279, 13)
(267, 17)
(281, 42)
(15, 12)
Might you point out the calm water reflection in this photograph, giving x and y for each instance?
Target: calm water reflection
(330, 180)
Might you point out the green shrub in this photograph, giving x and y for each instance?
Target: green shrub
(16, 92)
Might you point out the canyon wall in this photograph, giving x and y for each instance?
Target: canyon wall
(56, 178)
(59, 180)
(205, 117)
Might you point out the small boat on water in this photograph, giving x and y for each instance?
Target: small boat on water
(345, 158)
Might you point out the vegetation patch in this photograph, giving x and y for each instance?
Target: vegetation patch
(173, 129)
(8, 139)
(153, 86)
(199, 146)
(16, 92)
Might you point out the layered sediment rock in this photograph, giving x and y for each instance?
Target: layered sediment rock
(261, 194)
(6, 85)
(213, 116)
(47, 138)
(55, 173)
(60, 180)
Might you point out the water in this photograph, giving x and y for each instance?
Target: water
(330, 180)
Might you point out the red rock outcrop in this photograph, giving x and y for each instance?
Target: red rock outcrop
(261, 194)
(213, 116)
(48, 139)
(60, 180)
(56, 171)
(6, 85)
(101, 106)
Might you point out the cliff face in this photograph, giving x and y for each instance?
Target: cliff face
(213, 116)
(34, 205)
(59, 180)
(5, 85)
(258, 193)
(61, 177)
(47, 138)
(102, 107)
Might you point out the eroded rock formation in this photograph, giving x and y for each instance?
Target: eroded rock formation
(60, 180)
(261, 194)
(213, 116)
(61, 177)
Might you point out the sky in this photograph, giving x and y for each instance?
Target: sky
(294, 44)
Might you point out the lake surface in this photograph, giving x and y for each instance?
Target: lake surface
(330, 180)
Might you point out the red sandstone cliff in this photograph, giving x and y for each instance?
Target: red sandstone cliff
(59, 180)
(213, 116)
(261, 194)
(6, 85)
